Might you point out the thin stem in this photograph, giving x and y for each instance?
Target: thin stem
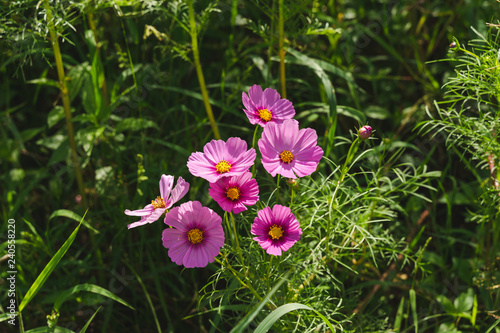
(228, 227)
(253, 146)
(268, 273)
(278, 189)
(281, 29)
(66, 102)
(199, 71)
(236, 237)
(228, 266)
(343, 172)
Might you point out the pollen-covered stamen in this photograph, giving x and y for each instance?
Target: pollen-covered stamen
(265, 115)
(286, 156)
(276, 232)
(233, 193)
(223, 167)
(158, 203)
(195, 236)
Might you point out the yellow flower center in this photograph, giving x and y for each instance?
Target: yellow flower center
(276, 232)
(265, 115)
(158, 203)
(233, 193)
(195, 236)
(222, 167)
(286, 156)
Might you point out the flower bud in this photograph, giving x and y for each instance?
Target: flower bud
(453, 45)
(294, 183)
(365, 132)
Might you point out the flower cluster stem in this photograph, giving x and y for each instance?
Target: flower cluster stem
(343, 172)
(201, 79)
(66, 102)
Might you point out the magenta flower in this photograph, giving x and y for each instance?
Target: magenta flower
(221, 159)
(168, 197)
(265, 107)
(276, 230)
(235, 193)
(289, 151)
(365, 132)
(196, 236)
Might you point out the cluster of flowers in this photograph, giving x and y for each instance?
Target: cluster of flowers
(195, 236)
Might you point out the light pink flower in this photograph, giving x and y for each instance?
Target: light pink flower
(289, 151)
(196, 236)
(235, 193)
(221, 159)
(165, 201)
(276, 230)
(266, 107)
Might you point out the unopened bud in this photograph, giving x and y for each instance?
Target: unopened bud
(453, 45)
(365, 132)
(294, 183)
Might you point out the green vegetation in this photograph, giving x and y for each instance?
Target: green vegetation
(400, 232)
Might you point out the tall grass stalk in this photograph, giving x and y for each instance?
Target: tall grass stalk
(104, 87)
(281, 29)
(66, 102)
(199, 71)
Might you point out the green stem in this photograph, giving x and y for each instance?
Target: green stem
(281, 29)
(228, 266)
(253, 146)
(199, 71)
(236, 237)
(268, 273)
(343, 172)
(228, 227)
(66, 102)
(278, 189)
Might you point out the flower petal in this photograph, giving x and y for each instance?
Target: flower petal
(255, 93)
(166, 183)
(180, 190)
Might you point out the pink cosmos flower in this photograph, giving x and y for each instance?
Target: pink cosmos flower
(289, 151)
(265, 107)
(221, 159)
(276, 230)
(168, 197)
(196, 235)
(235, 193)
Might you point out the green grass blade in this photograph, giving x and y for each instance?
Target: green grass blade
(92, 288)
(399, 315)
(493, 326)
(7, 316)
(40, 280)
(329, 90)
(413, 303)
(45, 329)
(148, 299)
(84, 328)
(266, 324)
(74, 216)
